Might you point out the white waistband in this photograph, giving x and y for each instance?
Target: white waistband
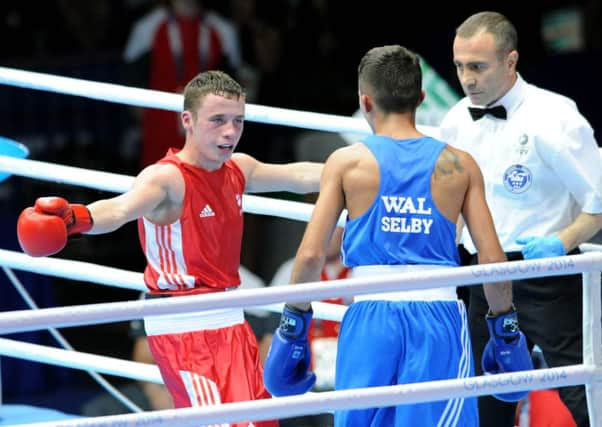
(194, 321)
(432, 294)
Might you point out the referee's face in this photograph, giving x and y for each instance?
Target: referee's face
(484, 73)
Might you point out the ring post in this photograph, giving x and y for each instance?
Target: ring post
(592, 343)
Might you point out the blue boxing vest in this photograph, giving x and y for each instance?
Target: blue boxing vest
(403, 225)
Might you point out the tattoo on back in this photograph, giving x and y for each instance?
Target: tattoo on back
(448, 163)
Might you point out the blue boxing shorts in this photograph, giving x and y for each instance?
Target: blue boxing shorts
(384, 343)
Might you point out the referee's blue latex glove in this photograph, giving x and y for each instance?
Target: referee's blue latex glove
(541, 247)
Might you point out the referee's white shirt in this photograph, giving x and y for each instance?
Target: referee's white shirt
(541, 166)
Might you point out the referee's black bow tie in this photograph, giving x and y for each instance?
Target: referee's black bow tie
(498, 111)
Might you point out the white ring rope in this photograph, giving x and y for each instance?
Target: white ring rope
(590, 247)
(60, 339)
(98, 180)
(173, 102)
(120, 183)
(110, 276)
(25, 320)
(79, 360)
(76, 270)
(344, 399)
(101, 275)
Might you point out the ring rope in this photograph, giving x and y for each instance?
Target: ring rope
(120, 183)
(80, 360)
(590, 247)
(62, 341)
(371, 397)
(104, 275)
(173, 102)
(76, 270)
(25, 320)
(27, 349)
(109, 276)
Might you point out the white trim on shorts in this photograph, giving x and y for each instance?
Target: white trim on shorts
(195, 321)
(432, 294)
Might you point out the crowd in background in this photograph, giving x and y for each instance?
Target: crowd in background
(297, 54)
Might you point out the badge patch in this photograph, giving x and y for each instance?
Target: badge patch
(517, 179)
(521, 147)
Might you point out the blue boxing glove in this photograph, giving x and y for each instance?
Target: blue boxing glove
(506, 351)
(286, 369)
(541, 247)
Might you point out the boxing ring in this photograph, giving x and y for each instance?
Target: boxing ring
(588, 264)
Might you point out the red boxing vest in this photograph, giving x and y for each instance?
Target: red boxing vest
(200, 252)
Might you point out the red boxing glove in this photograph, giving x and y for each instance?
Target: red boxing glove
(43, 229)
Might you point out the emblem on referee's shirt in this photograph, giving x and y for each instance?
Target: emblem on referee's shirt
(522, 148)
(517, 179)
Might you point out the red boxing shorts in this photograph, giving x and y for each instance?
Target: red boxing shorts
(211, 367)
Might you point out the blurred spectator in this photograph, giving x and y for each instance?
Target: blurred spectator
(166, 48)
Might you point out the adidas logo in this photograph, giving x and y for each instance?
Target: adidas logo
(207, 211)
